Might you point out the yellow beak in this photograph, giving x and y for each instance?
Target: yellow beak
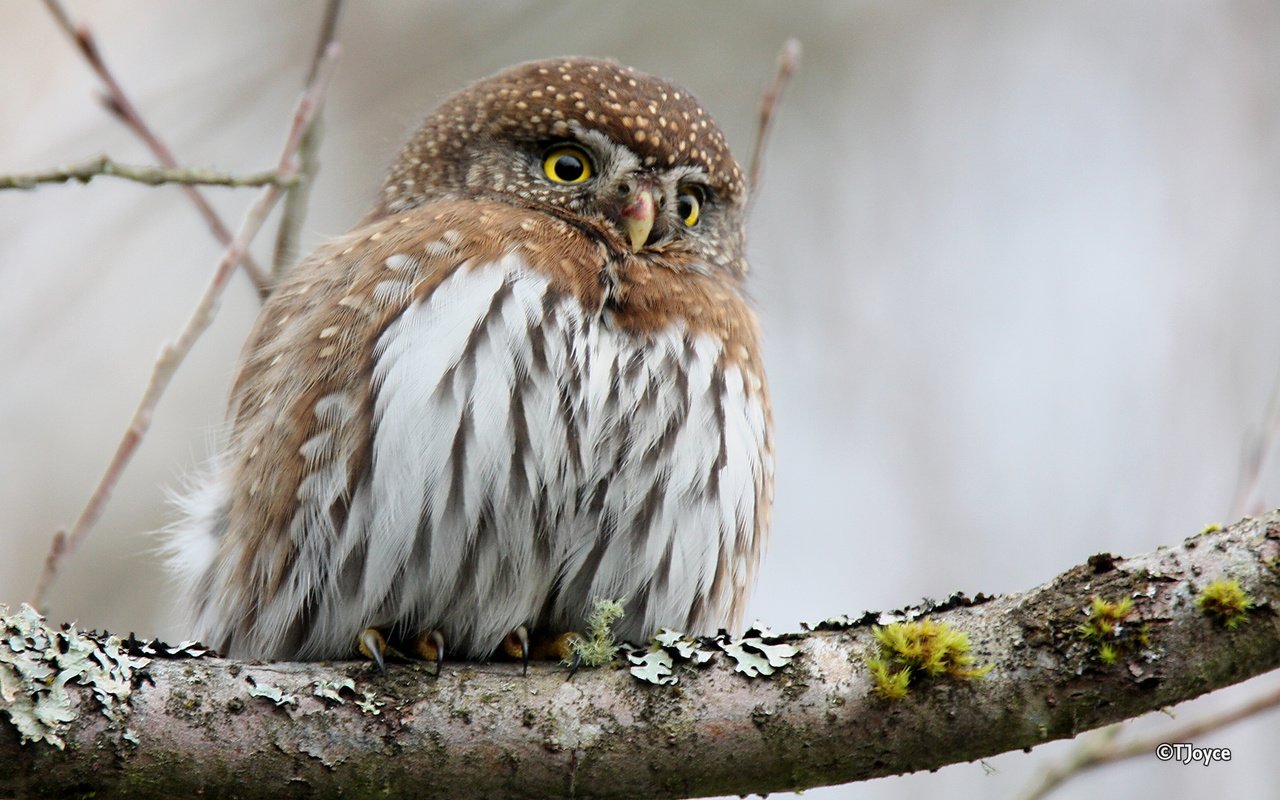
(637, 219)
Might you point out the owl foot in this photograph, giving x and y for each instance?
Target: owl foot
(372, 646)
(516, 645)
(541, 647)
(429, 646)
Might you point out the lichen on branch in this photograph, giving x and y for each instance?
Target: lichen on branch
(484, 730)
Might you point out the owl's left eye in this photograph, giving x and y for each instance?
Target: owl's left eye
(566, 164)
(689, 199)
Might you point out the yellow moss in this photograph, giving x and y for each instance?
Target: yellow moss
(1108, 654)
(1212, 527)
(927, 648)
(1105, 618)
(1225, 601)
(1107, 632)
(891, 684)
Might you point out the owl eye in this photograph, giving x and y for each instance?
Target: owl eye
(689, 203)
(566, 164)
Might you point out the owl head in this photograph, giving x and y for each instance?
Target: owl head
(629, 156)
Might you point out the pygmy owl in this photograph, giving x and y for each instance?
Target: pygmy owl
(528, 379)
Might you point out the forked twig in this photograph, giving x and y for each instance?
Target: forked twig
(85, 171)
(788, 61)
(295, 201)
(118, 103)
(172, 354)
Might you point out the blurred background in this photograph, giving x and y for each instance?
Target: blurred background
(1018, 264)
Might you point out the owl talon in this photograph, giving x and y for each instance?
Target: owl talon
(429, 646)
(372, 645)
(516, 645)
(573, 661)
(561, 648)
(519, 644)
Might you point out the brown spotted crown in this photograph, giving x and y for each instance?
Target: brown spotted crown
(661, 123)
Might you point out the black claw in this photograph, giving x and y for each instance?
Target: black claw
(372, 642)
(437, 638)
(522, 633)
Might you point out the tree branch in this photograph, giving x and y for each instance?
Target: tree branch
(85, 171)
(481, 730)
(1106, 750)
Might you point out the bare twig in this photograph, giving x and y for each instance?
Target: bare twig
(172, 354)
(1255, 458)
(295, 201)
(788, 60)
(85, 171)
(119, 104)
(1099, 752)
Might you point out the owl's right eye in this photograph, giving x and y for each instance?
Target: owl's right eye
(566, 163)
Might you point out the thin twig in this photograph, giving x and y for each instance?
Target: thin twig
(295, 201)
(172, 354)
(1098, 753)
(788, 60)
(1084, 752)
(119, 104)
(85, 171)
(1255, 458)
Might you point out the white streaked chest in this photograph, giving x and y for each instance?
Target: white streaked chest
(496, 368)
(522, 442)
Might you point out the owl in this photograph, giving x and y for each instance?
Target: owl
(529, 379)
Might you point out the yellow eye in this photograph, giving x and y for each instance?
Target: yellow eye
(689, 204)
(567, 164)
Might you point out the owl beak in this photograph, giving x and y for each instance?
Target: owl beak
(637, 218)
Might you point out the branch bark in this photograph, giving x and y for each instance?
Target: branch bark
(481, 730)
(85, 171)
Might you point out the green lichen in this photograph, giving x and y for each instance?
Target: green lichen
(909, 652)
(370, 703)
(755, 656)
(598, 647)
(275, 694)
(1226, 602)
(1212, 527)
(654, 666)
(36, 664)
(757, 653)
(331, 691)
